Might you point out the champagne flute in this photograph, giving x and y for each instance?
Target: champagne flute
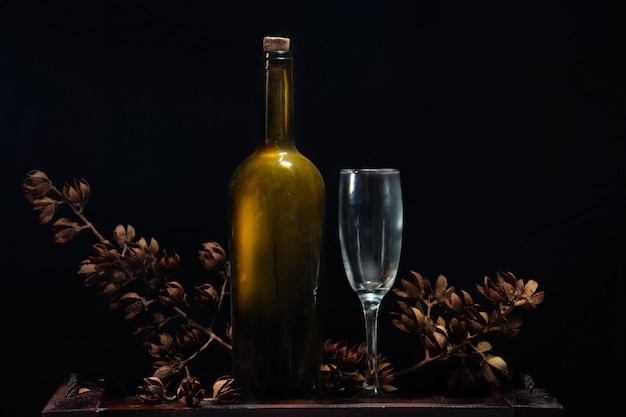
(370, 234)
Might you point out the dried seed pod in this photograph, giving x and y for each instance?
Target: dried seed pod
(77, 193)
(190, 391)
(225, 391)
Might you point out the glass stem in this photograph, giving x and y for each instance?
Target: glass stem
(370, 311)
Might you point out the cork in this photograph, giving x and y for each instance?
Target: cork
(275, 43)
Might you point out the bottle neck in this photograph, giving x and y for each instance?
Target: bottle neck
(278, 100)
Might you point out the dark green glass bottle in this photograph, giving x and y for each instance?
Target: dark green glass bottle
(276, 219)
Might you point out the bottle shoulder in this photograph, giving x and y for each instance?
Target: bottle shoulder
(265, 159)
(277, 165)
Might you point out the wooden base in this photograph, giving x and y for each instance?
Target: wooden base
(517, 403)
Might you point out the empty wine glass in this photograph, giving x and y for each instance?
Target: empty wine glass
(370, 234)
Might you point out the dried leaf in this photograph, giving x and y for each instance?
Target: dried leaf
(530, 288)
(498, 363)
(467, 298)
(441, 284)
(537, 298)
(489, 376)
(483, 346)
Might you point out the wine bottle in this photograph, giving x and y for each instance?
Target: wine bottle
(276, 220)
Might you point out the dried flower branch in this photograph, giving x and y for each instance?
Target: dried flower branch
(344, 369)
(136, 277)
(451, 325)
(46, 198)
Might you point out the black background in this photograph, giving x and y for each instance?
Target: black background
(505, 118)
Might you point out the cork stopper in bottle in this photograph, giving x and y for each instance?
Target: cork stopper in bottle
(275, 43)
